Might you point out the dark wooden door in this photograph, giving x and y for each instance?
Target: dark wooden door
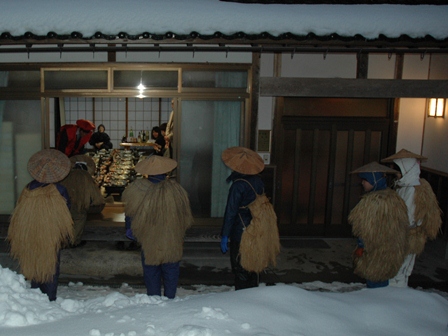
(315, 190)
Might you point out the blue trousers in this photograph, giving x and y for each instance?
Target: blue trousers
(49, 288)
(377, 284)
(153, 275)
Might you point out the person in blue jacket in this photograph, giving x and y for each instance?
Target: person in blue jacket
(158, 213)
(246, 165)
(41, 223)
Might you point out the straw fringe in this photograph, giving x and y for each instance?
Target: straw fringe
(82, 190)
(427, 211)
(161, 219)
(380, 219)
(40, 224)
(417, 240)
(133, 196)
(260, 242)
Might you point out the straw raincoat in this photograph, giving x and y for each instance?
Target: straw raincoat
(41, 223)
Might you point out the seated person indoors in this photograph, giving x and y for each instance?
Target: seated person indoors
(100, 139)
(168, 149)
(156, 134)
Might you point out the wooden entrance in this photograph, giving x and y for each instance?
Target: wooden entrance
(319, 142)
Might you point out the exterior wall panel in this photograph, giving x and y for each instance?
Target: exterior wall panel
(319, 65)
(381, 66)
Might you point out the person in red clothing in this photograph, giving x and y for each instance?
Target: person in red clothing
(72, 138)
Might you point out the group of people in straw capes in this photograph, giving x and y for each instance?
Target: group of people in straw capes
(392, 226)
(157, 210)
(158, 214)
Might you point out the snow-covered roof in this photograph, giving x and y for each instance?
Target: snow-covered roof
(212, 21)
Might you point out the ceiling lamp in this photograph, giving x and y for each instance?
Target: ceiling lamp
(141, 87)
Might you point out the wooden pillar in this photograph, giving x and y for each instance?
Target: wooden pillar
(111, 55)
(278, 110)
(362, 67)
(255, 95)
(393, 130)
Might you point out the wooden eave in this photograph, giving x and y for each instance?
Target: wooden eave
(262, 43)
(352, 87)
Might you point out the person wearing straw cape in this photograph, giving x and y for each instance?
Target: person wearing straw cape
(380, 222)
(84, 194)
(422, 208)
(41, 222)
(249, 219)
(158, 211)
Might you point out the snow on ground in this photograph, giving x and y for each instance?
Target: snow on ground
(306, 309)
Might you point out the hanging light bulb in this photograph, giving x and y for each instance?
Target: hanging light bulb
(141, 87)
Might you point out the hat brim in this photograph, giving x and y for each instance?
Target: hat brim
(404, 154)
(374, 167)
(49, 166)
(86, 125)
(243, 160)
(155, 165)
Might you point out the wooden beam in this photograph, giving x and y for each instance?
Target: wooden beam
(362, 67)
(111, 55)
(352, 88)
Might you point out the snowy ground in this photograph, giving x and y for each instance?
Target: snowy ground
(306, 309)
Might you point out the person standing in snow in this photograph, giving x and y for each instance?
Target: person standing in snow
(159, 213)
(246, 187)
(84, 194)
(422, 208)
(380, 222)
(41, 222)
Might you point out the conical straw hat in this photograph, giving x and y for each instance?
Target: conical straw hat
(404, 154)
(374, 167)
(243, 160)
(84, 158)
(155, 165)
(49, 166)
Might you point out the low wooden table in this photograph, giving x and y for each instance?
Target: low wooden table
(114, 190)
(128, 145)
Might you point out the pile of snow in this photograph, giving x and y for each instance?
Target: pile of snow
(267, 310)
(209, 16)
